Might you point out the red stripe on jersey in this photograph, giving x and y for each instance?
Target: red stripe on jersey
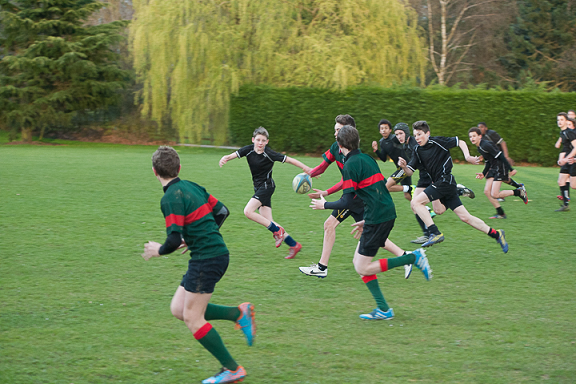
(349, 184)
(202, 211)
(212, 201)
(329, 156)
(367, 279)
(371, 180)
(340, 165)
(173, 219)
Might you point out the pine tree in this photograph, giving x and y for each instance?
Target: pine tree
(539, 41)
(53, 64)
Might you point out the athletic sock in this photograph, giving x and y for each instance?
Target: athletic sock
(221, 312)
(322, 267)
(407, 188)
(433, 229)
(564, 192)
(210, 339)
(516, 192)
(500, 211)
(290, 241)
(493, 233)
(372, 284)
(421, 224)
(393, 262)
(514, 184)
(568, 189)
(272, 228)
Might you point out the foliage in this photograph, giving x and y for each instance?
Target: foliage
(301, 120)
(191, 56)
(54, 65)
(79, 305)
(541, 44)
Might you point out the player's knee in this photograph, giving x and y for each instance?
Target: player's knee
(330, 225)
(177, 311)
(488, 193)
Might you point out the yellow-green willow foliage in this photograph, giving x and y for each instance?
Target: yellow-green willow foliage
(190, 55)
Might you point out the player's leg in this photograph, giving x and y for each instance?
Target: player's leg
(563, 179)
(250, 212)
(488, 192)
(473, 221)
(321, 269)
(518, 192)
(418, 205)
(281, 235)
(425, 234)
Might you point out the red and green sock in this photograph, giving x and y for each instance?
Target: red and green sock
(221, 312)
(393, 262)
(210, 339)
(374, 288)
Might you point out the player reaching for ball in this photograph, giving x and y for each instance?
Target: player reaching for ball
(193, 217)
(363, 180)
(261, 160)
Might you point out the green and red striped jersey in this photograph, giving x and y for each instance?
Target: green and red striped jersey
(187, 208)
(362, 175)
(334, 155)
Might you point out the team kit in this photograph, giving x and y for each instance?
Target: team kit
(194, 217)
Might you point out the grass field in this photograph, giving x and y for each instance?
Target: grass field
(79, 304)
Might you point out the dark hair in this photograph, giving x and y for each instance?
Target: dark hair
(260, 131)
(348, 137)
(421, 125)
(571, 110)
(573, 121)
(403, 127)
(166, 162)
(482, 123)
(476, 130)
(384, 121)
(345, 120)
(562, 114)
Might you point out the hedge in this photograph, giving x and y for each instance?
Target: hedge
(301, 120)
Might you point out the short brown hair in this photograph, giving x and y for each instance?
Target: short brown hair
(348, 137)
(421, 125)
(476, 130)
(166, 162)
(562, 114)
(345, 120)
(260, 131)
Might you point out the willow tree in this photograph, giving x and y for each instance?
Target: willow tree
(191, 55)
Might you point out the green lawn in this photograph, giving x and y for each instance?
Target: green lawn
(79, 304)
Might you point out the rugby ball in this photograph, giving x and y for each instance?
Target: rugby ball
(302, 183)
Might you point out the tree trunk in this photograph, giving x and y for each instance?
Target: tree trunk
(27, 134)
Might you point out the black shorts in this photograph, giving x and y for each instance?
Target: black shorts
(569, 169)
(401, 178)
(264, 194)
(356, 211)
(425, 180)
(573, 170)
(445, 192)
(202, 275)
(374, 237)
(498, 174)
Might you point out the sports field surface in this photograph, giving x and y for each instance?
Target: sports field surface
(80, 305)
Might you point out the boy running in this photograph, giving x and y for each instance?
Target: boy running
(261, 160)
(193, 218)
(567, 175)
(496, 170)
(362, 178)
(433, 155)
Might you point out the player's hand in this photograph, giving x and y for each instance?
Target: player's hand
(183, 245)
(480, 176)
(375, 146)
(513, 172)
(318, 204)
(223, 161)
(557, 144)
(307, 170)
(473, 159)
(151, 249)
(510, 160)
(317, 194)
(571, 160)
(358, 229)
(401, 162)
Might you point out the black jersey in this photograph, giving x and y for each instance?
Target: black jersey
(434, 157)
(494, 137)
(493, 157)
(568, 135)
(260, 163)
(390, 147)
(409, 147)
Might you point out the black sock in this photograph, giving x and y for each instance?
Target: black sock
(322, 267)
(514, 184)
(564, 192)
(493, 233)
(516, 192)
(568, 189)
(421, 223)
(500, 211)
(433, 229)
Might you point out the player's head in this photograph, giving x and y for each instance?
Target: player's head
(402, 132)
(571, 114)
(342, 120)
(483, 127)
(571, 123)
(475, 135)
(421, 132)
(348, 138)
(166, 162)
(385, 127)
(260, 139)
(561, 119)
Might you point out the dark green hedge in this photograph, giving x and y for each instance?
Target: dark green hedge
(301, 120)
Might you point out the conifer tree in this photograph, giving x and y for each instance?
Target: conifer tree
(52, 64)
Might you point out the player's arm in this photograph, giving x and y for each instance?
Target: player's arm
(333, 189)
(153, 249)
(505, 151)
(404, 165)
(558, 143)
(344, 202)
(466, 152)
(227, 158)
(298, 164)
(572, 152)
(220, 213)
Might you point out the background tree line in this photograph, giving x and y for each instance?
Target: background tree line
(178, 63)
